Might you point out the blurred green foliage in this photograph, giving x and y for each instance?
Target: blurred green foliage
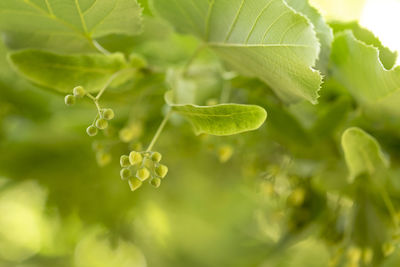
(279, 196)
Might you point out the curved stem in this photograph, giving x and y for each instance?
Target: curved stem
(99, 47)
(159, 130)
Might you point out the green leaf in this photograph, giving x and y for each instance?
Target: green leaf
(324, 32)
(64, 72)
(362, 153)
(387, 57)
(356, 66)
(223, 119)
(262, 38)
(66, 25)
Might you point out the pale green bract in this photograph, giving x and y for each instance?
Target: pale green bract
(66, 25)
(358, 67)
(63, 72)
(223, 119)
(262, 38)
(386, 56)
(362, 153)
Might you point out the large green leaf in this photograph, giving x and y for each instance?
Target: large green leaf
(223, 119)
(66, 25)
(64, 72)
(357, 66)
(362, 153)
(262, 38)
(387, 57)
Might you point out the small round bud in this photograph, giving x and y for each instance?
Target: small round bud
(155, 182)
(103, 158)
(79, 92)
(124, 161)
(212, 102)
(125, 173)
(97, 145)
(388, 249)
(135, 158)
(91, 130)
(134, 183)
(148, 163)
(136, 146)
(69, 100)
(130, 132)
(297, 197)
(368, 255)
(107, 113)
(225, 153)
(143, 174)
(156, 156)
(354, 254)
(101, 124)
(161, 170)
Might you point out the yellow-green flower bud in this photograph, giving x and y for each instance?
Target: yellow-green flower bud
(156, 156)
(354, 254)
(79, 92)
(91, 130)
(225, 153)
(69, 100)
(155, 182)
(143, 174)
(125, 173)
(135, 158)
(161, 170)
(103, 158)
(101, 124)
(388, 249)
(297, 197)
(107, 113)
(134, 183)
(124, 161)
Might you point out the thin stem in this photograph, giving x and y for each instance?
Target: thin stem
(97, 106)
(159, 130)
(99, 47)
(90, 96)
(192, 58)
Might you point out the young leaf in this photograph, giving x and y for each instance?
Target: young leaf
(65, 25)
(63, 72)
(223, 119)
(357, 66)
(362, 153)
(262, 38)
(387, 57)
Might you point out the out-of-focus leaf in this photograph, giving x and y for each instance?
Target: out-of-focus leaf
(223, 119)
(340, 9)
(357, 66)
(261, 38)
(64, 72)
(362, 153)
(65, 25)
(324, 32)
(331, 118)
(387, 57)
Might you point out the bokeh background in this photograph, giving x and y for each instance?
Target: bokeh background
(62, 202)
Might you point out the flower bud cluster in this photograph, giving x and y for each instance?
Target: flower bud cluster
(138, 167)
